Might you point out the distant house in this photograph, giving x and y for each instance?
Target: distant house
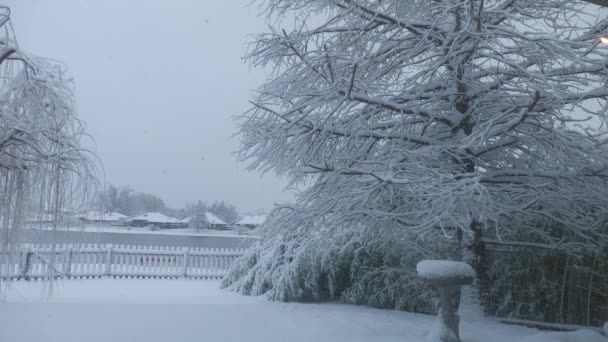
(212, 222)
(185, 222)
(111, 217)
(215, 222)
(155, 219)
(62, 216)
(42, 219)
(251, 221)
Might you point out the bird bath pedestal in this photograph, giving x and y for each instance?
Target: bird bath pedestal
(447, 277)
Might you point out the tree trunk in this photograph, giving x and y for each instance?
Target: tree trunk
(475, 297)
(480, 264)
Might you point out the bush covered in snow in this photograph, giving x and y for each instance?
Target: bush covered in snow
(354, 266)
(549, 285)
(338, 265)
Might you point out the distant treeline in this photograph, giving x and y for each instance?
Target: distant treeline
(127, 201)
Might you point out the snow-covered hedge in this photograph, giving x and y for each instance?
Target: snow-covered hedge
(351, 266)
(550, 286)
(336, 265)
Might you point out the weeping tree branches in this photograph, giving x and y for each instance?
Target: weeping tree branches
(44, 167)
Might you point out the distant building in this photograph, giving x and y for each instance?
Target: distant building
(251, 221)
(215, 222)
(185, 221)
(61, 216)
(112, 218)
(155, 219)
(211, 222)
(44, 219)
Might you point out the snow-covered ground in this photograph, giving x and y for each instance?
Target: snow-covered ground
(193, 310)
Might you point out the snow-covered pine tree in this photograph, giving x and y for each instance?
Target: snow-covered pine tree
(484, 117)
(44, 167)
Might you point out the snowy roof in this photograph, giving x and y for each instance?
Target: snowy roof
(444, 270)
(255, 220)
(213, 219)
(155, 217)
(99, 215)
(210, 218)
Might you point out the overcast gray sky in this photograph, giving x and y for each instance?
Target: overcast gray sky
(158, 83)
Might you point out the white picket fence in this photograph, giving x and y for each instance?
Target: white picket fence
(86, 261)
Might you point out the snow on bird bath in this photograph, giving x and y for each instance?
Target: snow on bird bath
(441, 270)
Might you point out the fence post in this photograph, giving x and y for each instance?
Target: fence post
(108, 269)
(25, 263)
(185, 263)
(67, 262)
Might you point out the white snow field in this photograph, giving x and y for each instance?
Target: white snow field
(193, 310)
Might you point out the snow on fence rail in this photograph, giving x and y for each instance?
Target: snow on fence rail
(72, 261)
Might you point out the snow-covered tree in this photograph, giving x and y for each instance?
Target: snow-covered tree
(484, 119)
(109, 199)
(224, 211)
(127, 201)
(198, 215)
(44, 167)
